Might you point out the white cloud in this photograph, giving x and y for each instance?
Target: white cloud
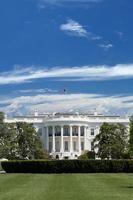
(106, 47)
(68, 102)
(74, 28)
(89, 73)
(45, 90)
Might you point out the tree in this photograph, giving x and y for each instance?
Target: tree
(26, 138)
(1, 117)
(9, 146)
(29, 144)
(20, 141)
(3, 130)
(111, 141)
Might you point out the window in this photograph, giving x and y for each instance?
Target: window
(66, 145)
(57, 131)
(57, 146)
(50, 130)
(66, 131)
(82, 130)
(75, 131)
(92, 131)
(92, 146)
(74, 145)
(40, 131)
(82, 146)
(50, 146)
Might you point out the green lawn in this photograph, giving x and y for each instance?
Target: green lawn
(66, 187)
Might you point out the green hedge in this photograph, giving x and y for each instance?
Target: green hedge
(69, 166)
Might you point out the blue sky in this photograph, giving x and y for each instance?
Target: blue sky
(82, 46)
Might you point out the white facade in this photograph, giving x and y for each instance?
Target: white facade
(67, 136)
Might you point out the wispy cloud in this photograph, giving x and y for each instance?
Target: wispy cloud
(74, 28)
(38, 91)
(68, 102)
(89, 73)
(106, 47)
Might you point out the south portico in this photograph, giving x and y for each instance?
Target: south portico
(66, 141)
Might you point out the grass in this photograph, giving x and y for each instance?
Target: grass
(66, 187)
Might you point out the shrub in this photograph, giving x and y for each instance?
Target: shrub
(126, 155)
(68, 166)
(84, 156)
(87, 155)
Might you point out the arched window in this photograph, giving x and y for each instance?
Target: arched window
(50, 131)
(57, 131)
(82, 130)
(75, 131)
(66, 131)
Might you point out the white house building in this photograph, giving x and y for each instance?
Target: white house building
(67, 136)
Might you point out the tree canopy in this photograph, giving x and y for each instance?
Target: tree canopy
(20, 141)
(1, 117)
(111, 142)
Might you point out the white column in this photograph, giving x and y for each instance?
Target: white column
(62, 141)
(71, 145)
(79, 139)
(53, 139)
(47, 136)
(89, 139)
(85, 132)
